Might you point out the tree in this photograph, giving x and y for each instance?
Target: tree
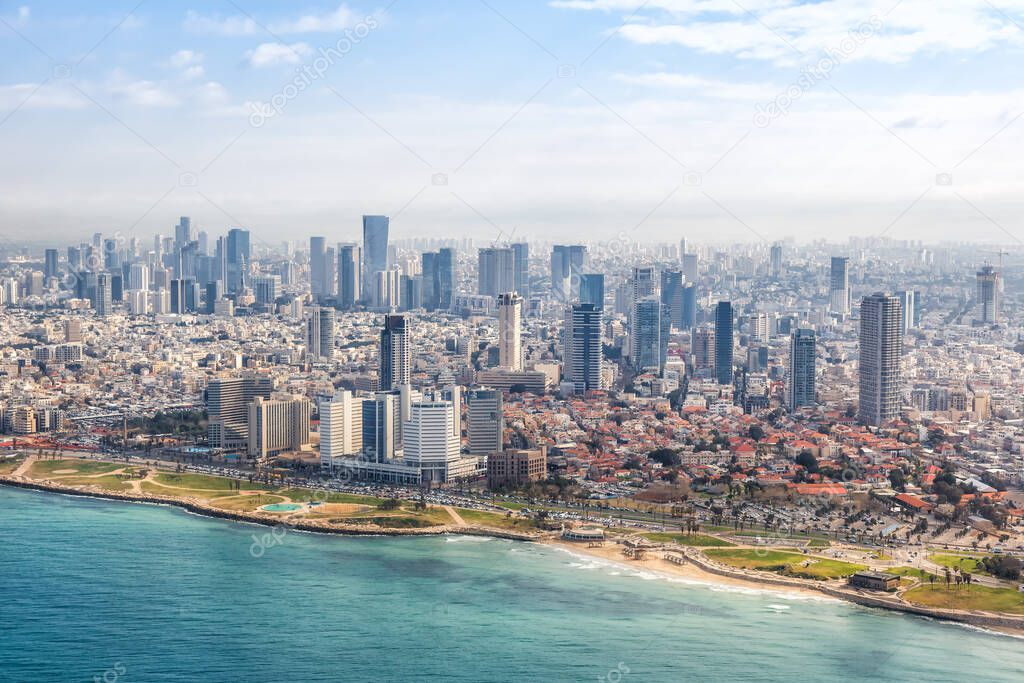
(807, 460)
(756, 432)
(897, 479)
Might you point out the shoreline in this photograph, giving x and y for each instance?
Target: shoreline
(691, 565)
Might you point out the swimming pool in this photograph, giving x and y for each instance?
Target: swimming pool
(281, 507)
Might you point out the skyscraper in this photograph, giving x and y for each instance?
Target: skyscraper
(317, 267)
(521, 266)
(908, 304)
(320, 326)
(672, 295)
(103, 301)
(567, 263)
(510, 321)
(429, 441)
(349, 268)
(382, 430)
(880, 347)
(277, 426)
(341, 427)
(800, 385)
(724, 342)
(395, 353)
(227, 402)
(237, 259)
(375, 250)
(486, 421)
(50, 263)
(496, 271)
(839, 286)
(690, 268)
(592, 289)
(445, 281)
(689, 307)
(649, 334)
(989, 295)
(582, 352)
(775, 261)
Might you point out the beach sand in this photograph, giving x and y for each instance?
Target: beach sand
(654, 562)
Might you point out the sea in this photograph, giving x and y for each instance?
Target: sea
(95, 590)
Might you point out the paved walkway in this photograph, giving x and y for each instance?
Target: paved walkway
(455, 515)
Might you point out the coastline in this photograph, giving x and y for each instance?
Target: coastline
(690, 565)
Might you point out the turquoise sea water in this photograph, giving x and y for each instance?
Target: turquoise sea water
(96, 590)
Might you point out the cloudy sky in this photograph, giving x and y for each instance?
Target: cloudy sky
(714, 119)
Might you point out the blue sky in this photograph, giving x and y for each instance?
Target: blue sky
(593, 119)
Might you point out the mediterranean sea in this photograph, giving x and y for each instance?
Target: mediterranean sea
(94, 590)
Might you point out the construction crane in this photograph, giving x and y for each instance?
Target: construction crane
(1000, 253)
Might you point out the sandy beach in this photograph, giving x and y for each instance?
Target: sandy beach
(655, 562)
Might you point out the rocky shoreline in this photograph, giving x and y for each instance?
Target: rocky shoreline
(264, 519)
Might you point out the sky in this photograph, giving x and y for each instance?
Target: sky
(590, 120)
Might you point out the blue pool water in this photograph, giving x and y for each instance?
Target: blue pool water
(281, 507)
(101, 590)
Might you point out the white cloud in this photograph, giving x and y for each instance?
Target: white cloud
(32, 96)
(241, 25)
(780, 30)
(142, 93)
(189, 63)
(272, 54)
(700, 86)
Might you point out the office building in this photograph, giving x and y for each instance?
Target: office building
(318, 286)
(567, 263)
(516, 468)
(521, 266)
(395, 353)
(724, 341)
(341, 427)
(672, 295)
(237, 258)
(266, 288)
(510, 322)
(349, 275)
(908, 303)
(320, 332)
(486, 421)
(382, 431)
(495, 271)
(582, 351)
(880, 347)
(592, 289)
(650, 334)
(227, 404)
(775, 261)
(689, 312)
(800, 382)
(51, 267)
(103, 298)
(839, 286)
(989, 295)
(375, 250)
(277, 426)
(429, 441)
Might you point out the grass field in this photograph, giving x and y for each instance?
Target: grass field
(208, 494)
(495, 520)
(202, 482)
(966, 563)
(695, 540)
(246, 503)
(976, 597)
(48, 468)
(791, 564)
(108, 483)
(8, 465)
(309, 496)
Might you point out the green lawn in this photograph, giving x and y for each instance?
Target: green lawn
(695, 540)
(976, 597)
(309, 496)
(46, 468)
(966, 563)
(792, 564)
(247, 503)
(108, 483)
(8, 465)
(152, 487)
(201, 482)
(495, 520)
